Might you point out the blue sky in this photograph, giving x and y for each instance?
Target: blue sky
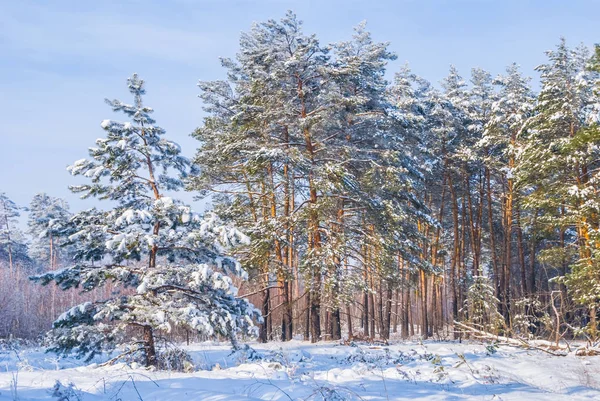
(60, 59)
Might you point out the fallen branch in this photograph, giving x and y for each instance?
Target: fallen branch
(119, 357)
(508, 341)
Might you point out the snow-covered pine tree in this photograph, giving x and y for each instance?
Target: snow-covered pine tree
(447, 132)
(481, 97)
(559, 165)
(375, 178)
(13, 246)
(276, 104)
(246, 161)
(48, 219)
(481, 305)
(294, 124)
(500, 144)
(167, 264)
(411, 99)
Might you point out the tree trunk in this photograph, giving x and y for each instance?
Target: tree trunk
(149, 348)
(307, 319)
(424, 317)
(263, 335)
(455, 251)
(388, 313)
(349, 318)
(520, 248)
(336, 325)
(492, 232)
(405, 301)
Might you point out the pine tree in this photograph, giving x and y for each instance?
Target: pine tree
(559, 163)
(294, 123)
(481, 305)
(47, 221)
(379, 174)
(502, 141)
(13, 246)
(167, 264)
(277, 103)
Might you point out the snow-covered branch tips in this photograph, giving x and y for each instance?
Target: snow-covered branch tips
(163, 264)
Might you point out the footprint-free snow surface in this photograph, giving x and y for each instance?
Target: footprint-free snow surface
(303, 371)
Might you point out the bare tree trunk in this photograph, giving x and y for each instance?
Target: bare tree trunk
(406, 301)
(349, 319)
(424, 320)
(455, 251)
(521, 251)
(336, 325)
(495, 269)
(532, 282)
(372, 312)
(388, 313)
(380, 311)
(396, 309)
(307, 320)
(263, 335)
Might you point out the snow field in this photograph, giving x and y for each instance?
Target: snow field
(303, 371)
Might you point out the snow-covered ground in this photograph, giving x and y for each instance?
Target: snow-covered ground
(326, 371)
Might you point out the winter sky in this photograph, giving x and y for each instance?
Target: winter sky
(60, 59)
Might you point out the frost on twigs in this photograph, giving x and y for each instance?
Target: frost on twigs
(175, 359)
(64, 393)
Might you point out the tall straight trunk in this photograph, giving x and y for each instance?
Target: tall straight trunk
(307, 317)
(455, 250)
(424, 317)
(411, 324)
(492, 232)
(405, 299)
(472, 227)
(288, 255)
(388, 313)
(510, 201)
(365, 314)
(314, 233)
(327, 324)
(263, 335)
(462, 273)
(479, 222)
(521, 251)
(349, 321)
(440, 307)
(438, 231)
(593, 324)
(434, 316)
(507, 267)
(372, 312)
(371, 305)
(563, 265)
(396, 309)
(286, 323)
(348, 306)
(380, 310)
(336, 325)
(265, 327)
(532, 281)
